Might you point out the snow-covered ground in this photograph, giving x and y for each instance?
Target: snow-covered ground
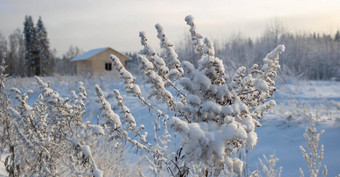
(282, 128)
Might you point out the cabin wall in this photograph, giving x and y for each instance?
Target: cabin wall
(84, 68)
(96, 64)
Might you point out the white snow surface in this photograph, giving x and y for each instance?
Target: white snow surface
(281, 132)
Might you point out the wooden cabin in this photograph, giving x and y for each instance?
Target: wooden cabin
(97, 62)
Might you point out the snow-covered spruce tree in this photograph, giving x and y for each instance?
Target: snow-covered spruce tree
(31, 51)
(217, 115)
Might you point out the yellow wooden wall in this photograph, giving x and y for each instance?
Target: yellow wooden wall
(96, 64)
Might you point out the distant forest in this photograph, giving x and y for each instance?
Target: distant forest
(312, 56)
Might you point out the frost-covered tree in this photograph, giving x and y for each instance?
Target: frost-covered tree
(43, 44)
(3, 47)
(64, 66)
(16, 54)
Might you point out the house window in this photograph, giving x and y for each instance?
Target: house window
(108, 66)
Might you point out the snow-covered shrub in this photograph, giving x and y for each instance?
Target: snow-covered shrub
(314, 154)
(6, 138)
(216, 115)
(50, 133)
(48, 137)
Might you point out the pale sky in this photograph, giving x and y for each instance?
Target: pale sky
(91, 24)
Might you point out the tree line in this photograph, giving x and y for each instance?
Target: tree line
(312, 56)
(308, 55)
(28, 52)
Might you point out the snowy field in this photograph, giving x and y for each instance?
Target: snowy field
(282, 128)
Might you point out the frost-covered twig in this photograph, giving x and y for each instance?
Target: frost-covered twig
(113, 123)
(87, 154)
(156, 63)
(268, 166)
(129, 119)
(150, 53)
(313, 155)
(129, 81)
(195, 37)
(111, 118)
(126, 111)
(174, 64)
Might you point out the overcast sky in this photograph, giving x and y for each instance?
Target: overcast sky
(92, 24)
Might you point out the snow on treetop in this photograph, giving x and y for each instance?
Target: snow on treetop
(89, 54)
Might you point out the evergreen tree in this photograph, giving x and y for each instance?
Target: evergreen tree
(337, 36)
(43, 45)
(31, 51)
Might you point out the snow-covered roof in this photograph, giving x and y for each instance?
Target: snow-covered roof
(89, 54)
